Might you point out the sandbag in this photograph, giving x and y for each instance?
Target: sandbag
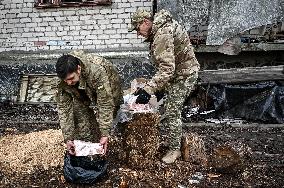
(83, 170)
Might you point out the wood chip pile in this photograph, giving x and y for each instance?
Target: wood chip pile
(23, 153)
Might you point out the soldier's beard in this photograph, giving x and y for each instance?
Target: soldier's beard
(76, 81)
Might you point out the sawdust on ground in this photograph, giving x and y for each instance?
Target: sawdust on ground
(21, 153)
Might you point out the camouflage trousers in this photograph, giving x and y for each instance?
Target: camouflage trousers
(177, 92)
(82, 123)
(86, 125)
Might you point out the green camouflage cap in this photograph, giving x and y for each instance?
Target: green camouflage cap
(137, 18)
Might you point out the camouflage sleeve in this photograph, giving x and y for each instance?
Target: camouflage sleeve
(163, 51)
(66, 115)
(105, 103)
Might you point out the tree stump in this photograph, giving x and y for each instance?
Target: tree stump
(193, 149)
(230, 158)
(141, 139)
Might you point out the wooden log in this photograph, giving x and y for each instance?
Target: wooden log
(23, 88)
(141, 140)
(226, 160)
(230, 158)
(241, 75)
(193, 149)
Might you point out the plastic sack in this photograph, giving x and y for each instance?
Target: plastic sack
(83, 170)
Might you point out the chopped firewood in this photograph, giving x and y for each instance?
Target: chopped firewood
(123, 183)
(211, 176)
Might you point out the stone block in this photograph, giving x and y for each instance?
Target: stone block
(137, 4)
(110, 32)
(45, 14)
(27, 10)
(105, 11)
(117, 20)
(118, 11)
(130, 10)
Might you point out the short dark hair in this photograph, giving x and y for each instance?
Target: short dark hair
(65, 65)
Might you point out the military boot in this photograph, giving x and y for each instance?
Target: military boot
(171, 156)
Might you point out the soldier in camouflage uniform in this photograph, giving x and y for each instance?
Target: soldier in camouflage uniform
(177, 67)
(87, 78)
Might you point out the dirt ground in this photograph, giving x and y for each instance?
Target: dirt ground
(22, 124)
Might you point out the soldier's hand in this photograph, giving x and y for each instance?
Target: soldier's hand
(104, 142)
(70, 147)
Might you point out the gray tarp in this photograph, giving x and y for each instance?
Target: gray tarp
(227, 18)
(187, 12)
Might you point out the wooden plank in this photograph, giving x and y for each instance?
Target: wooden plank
(241, 75)
(221, 76)
(233, 125)
(23, 88)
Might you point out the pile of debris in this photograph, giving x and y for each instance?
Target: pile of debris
(36, 160)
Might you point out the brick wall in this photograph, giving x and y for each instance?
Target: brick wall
(23, 27)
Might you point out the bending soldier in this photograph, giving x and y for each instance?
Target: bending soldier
(87, 78)
(177, 67)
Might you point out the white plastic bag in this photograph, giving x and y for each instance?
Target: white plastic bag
(87, 148)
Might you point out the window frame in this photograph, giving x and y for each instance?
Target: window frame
(59, 4)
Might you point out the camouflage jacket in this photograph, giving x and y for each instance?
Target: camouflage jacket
(171, 50)
(102, 85)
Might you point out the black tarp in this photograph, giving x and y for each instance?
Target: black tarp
(255, 102)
